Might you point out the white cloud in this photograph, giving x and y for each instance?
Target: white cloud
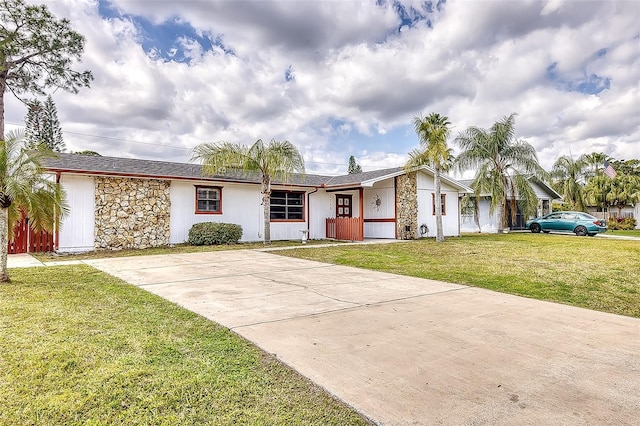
(358, 81)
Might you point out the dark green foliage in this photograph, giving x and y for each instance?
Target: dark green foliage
(621, 223)
(87, 152)
(210, 233)
(43, 126)
(37, 51)
(353, 166)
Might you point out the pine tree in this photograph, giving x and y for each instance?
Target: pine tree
(33, 121)
(43, 126)
(52, 133)
(353, 166)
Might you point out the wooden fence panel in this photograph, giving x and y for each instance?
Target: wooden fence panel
(26, 240)
(19, 244)
(344, 228)
(40, 242)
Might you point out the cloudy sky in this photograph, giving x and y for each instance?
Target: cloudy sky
(340, 78)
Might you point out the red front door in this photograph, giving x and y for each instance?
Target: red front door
(344, 205)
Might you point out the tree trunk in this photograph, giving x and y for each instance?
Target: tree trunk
(266, 205)
(3, 86)
(502, 217)
(438, 206)
(4, 243)
(476, 213)
(501, 214)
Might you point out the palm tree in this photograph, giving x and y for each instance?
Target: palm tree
(433, 132)
(277, 160)
(503, 167)
(25, 189)
(596, 191)
(570, 173)
(595, 162)
(624, 191)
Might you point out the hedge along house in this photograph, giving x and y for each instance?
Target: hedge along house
(120, 203)
(489, 222)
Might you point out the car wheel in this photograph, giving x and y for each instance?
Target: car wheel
(535, 228)
(580, 231)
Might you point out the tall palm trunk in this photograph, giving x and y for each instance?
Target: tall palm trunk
(3, 86)
(4, 243)
(438, 205)
(266, 205)
(504, 211)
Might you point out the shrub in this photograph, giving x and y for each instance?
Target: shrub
(621, 223)
(210, 233)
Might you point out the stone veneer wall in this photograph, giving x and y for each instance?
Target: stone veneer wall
(407, 206)
(131, 213)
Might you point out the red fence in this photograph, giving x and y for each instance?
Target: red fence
(345, 228)
(26, 240)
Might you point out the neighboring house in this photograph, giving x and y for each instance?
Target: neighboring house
(489, 223)
(127, 203)
(612, 211)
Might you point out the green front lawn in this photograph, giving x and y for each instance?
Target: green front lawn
(173, 249)
(626, 233)
(80, 347)
(595, 273)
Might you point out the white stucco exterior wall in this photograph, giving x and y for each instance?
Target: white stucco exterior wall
(380, 204)
(450, 224)
(488, 222)
(240, 205)
(77, 231)
(319, 208)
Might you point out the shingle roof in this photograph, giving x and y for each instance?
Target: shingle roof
(358, 178)
(160, 169)
(545, 186)
(115, 166)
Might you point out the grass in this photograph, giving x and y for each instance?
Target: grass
(595, 273)
(81, 347)
(174, 249)
(626, 233)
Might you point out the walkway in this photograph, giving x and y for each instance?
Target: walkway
(408, 351)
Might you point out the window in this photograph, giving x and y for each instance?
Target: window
(287, 205)
(443, 202)
(208, 200)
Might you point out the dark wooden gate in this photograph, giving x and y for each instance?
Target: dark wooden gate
(26, 240)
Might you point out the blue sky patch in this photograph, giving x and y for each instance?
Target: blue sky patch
(411, 16)
(588, 83)
(397, 140)
(289, 74)
(172, 40)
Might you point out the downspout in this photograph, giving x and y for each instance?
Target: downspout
(56, 242)
(395, 205)
(361, 211)
(309, 211)
(459, 213)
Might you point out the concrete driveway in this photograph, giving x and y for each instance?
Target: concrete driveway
(408, 351)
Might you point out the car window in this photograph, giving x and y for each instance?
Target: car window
(554, 216)
(587, 216)
(570, 216)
